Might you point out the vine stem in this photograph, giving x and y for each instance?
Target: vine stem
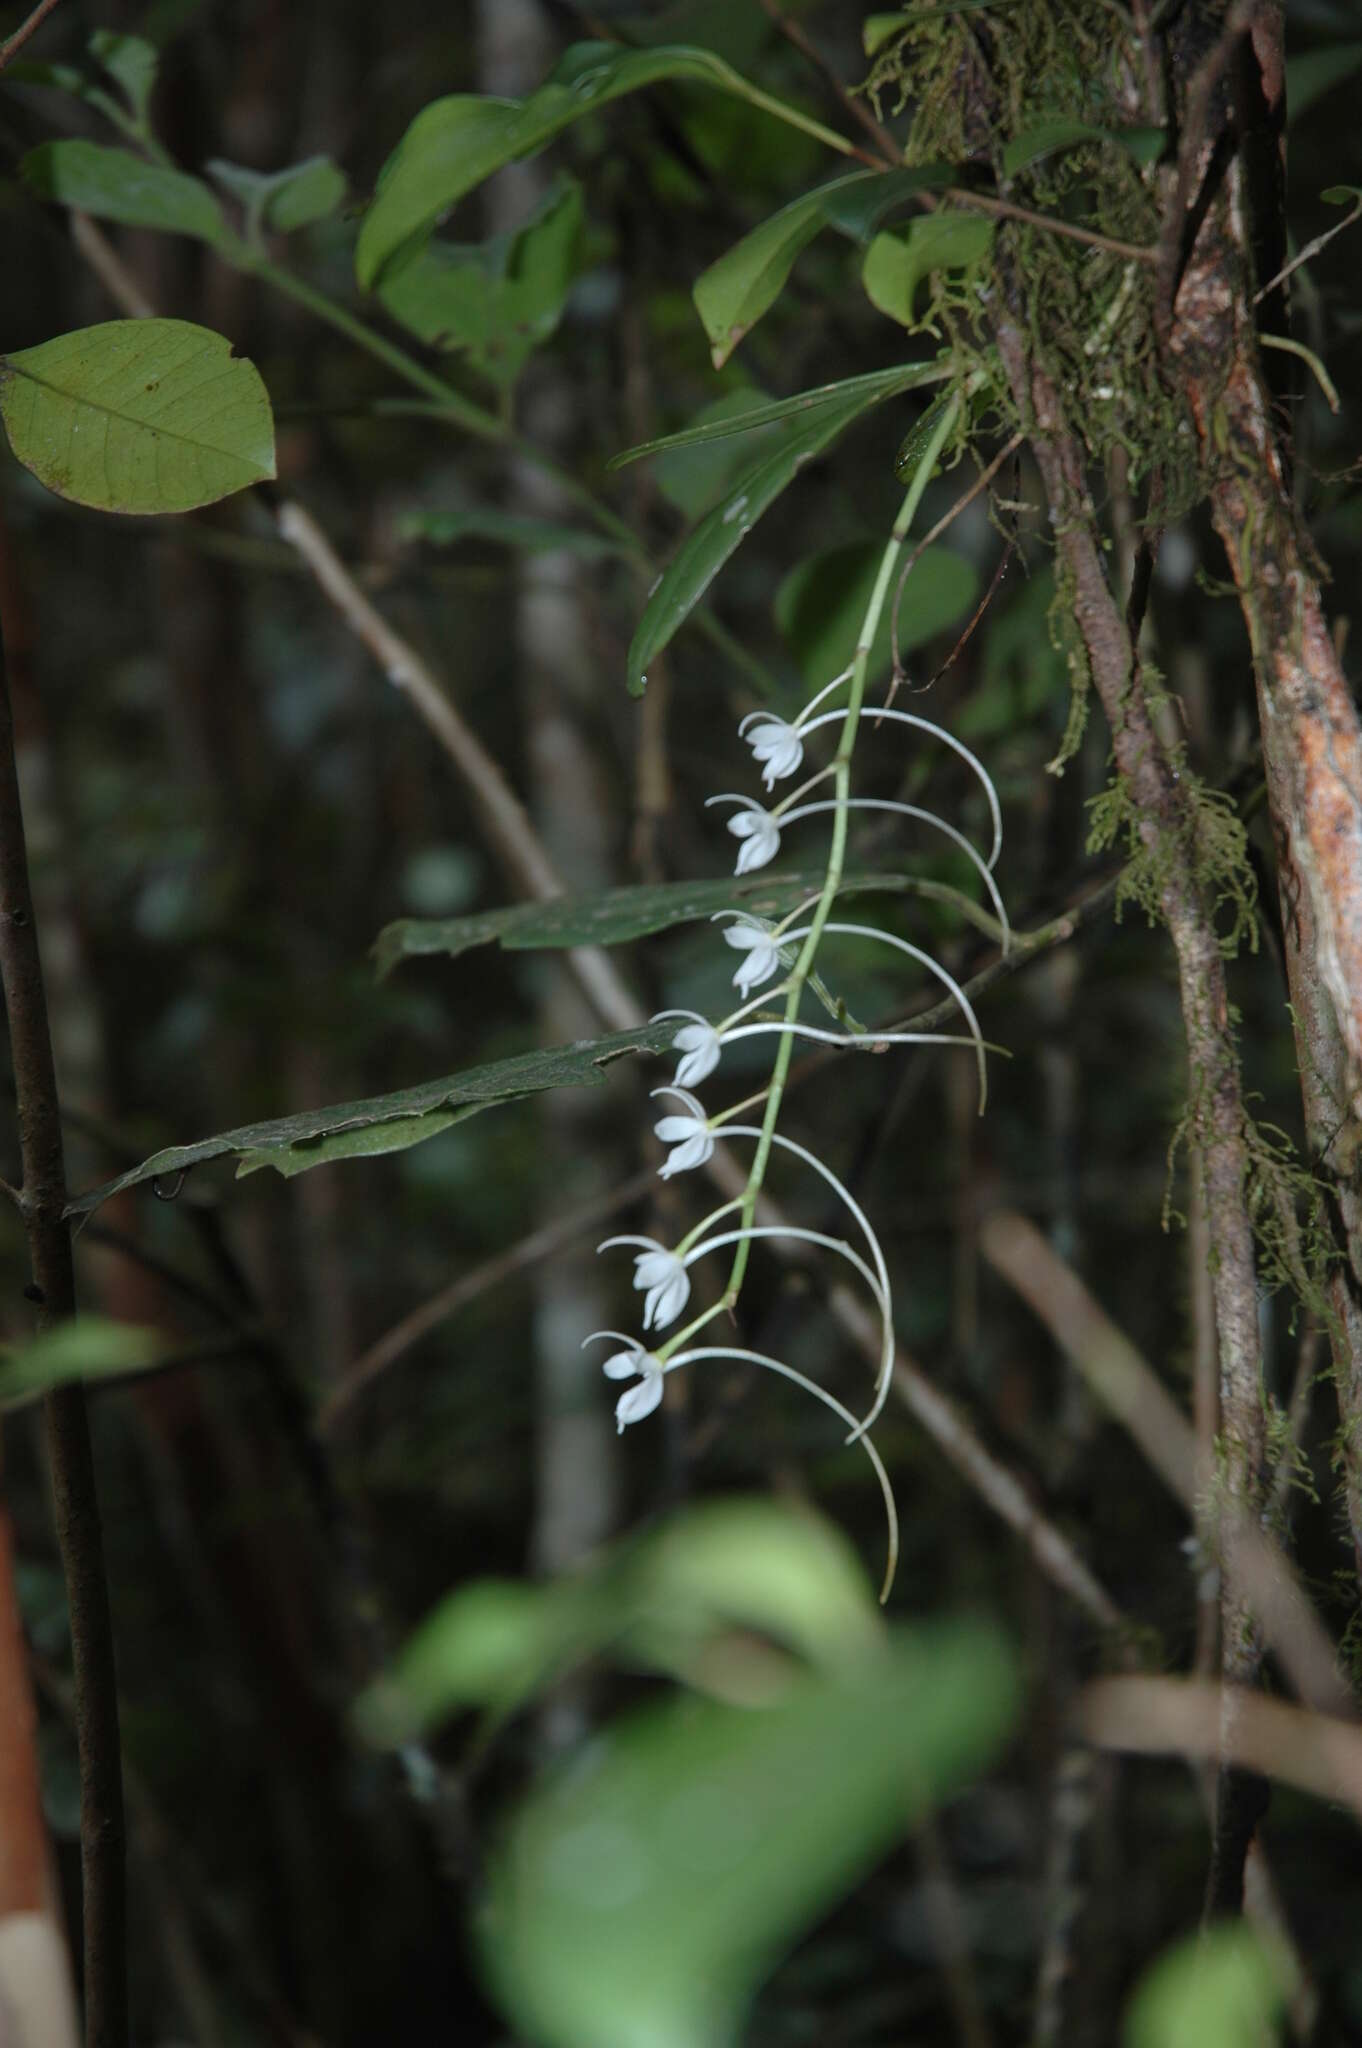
(832, 879)
(42, 1202)
(10, 49)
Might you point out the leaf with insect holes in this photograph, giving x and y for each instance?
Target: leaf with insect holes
(291, 1143)
(138, 416)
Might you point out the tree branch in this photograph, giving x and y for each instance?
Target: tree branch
(43, 1200)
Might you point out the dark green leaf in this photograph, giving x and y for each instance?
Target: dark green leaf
(617, 916)
(645, 1897)
(558, 1066)
(86, 1348)
(821, 603)
(1315, 72)
(708, 546)
(692, 474)
(116, 184)
(495, 301)
(367, 1141)
(739, 418)
(1047, 138)
(138, 416)
(455, 143)
(896, 264)
(733, 293)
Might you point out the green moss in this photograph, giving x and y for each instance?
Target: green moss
(1211, 850)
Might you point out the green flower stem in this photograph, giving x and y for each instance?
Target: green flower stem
(832, 880)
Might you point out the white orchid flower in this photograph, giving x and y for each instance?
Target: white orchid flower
(690, 1134)
(760, 948)
(758, 830)
(775, 743)
(699, 1042)
(646, 1393)
(660, 1276)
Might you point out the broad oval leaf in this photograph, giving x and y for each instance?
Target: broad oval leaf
(733, 293)
(871, 384)
(822, 601)
(455, 143)
(138, 416)
(643, 1894)
(895, 265)
(708, 546)
(116, 184)
(557, 1066)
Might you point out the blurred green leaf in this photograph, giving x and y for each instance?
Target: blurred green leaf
(708, 546)
(496, 301)
(896, 264)
(613, 917)
(821, 603)
(1225, 1988)
(512, 529)
(454, 143)
(493, 1644)
(559, 1066)
(732, 414)
(643, 1894)
(116, 184)
(733, 293)
(86, 1348)
(750, 1564)
(1316, 72)
(138, 416)
(132, 64)
(282, 201)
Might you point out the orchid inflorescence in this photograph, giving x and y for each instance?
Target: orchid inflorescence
(782, 951)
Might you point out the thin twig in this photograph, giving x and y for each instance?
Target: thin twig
(947, 519)
(1306, 254)
(11, 47)
(539, 1244)
(1131, 1391)
(848, 102)
(1004, 209)
(79, 1533)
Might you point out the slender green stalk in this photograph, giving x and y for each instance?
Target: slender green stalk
(832, 880)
